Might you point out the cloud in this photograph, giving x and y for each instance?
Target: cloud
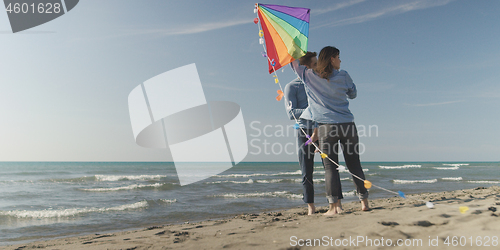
(194, 28)
(388, 11)
(335, 7)
(179, 30)
(432, 104)
(224, 87)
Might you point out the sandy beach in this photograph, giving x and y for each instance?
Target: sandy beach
(406, 223)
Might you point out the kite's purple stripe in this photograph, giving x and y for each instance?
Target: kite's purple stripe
(300, 13)
(301, 25)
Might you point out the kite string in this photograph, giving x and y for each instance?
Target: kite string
(281, 88)
(293, 114)
(297, 120)
(323, 155)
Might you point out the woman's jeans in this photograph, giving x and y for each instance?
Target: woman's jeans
(345, 135)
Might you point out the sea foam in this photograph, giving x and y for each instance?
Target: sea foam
(447, 168)
(282, 194)
(168, 201)
(250, 181)
(400, 167)
(128, 177)
(58, 213)
(484, 182)
(456, 164)
(414, 181)
(298, 172)
(272, 181)
(135, 186)
(452, 178)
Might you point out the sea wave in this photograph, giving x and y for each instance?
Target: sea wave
(287, 180)
(272, 181)
(72, 180)
(268, 181)
(414, 181)
(281, 194)
(484, 182)
(350, 193)
(130, 187)
(108, 178)
(168, 201)
(447, 168)
(400, 167)
(456, 164)
(58, 213)
(128, 177)
(10, 182)
(452, 178)
(317, 180)
(250, 181)
(298, 172)
(240, 175)
(347, 171)
(341, 171)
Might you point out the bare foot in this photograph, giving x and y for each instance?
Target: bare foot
(330, 212)
(333, 209)
(339, 208)
(364, 205)
(310, 209)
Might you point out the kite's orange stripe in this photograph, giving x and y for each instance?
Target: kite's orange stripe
(281, 49)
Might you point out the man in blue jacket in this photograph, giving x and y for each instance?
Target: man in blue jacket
(296, 103)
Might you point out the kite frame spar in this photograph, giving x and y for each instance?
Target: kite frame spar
(285, 30)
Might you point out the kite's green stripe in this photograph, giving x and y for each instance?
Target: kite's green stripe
(299, 24)
(295, 42)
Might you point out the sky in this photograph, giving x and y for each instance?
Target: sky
(426, 73)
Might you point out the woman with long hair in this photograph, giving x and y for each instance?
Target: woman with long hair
(328, 89)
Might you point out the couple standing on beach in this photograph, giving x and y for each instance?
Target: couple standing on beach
(319, 97)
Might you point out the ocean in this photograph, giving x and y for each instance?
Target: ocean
(45, 200)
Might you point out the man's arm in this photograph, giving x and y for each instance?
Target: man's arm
(291, 102)
(299, 69)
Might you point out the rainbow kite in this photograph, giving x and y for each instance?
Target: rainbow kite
(285, 30)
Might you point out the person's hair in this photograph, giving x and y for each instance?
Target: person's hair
(306, 59)
(325, 68)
